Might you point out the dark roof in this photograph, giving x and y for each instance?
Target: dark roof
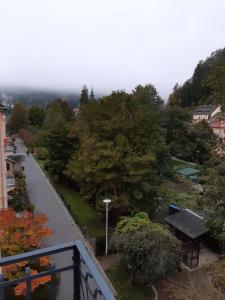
(188, 222)
(2, 107)
(17, 157)
(204, 110)
(188, 171)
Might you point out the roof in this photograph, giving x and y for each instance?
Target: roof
(18, 157)
(204, 110)
(217, 124)
(2, 107)
(188, 171)
(189, 223)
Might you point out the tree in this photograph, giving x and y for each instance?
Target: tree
(84, 97)
(58, 118)
(187, 141)
(36, 116)
(213, 199)
(121, 143)
(18, 118)
(206, 86)
(27, 137)
(22, 234)
(19, 199)
(150, 251)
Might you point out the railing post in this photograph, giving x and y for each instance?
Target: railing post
(53, 282)
(1, 289)
(28, 283)
(76, 274)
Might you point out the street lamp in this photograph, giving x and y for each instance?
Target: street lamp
(106, 201)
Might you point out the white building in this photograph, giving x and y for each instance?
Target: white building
(205, 112)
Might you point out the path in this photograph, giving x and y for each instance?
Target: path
(47, 201)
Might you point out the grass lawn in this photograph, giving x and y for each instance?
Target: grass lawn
(86, 214)
(125, 290)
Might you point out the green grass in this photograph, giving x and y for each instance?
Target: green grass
(86, 214)
(126, 290)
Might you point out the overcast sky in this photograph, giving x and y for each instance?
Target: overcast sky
(112, 44)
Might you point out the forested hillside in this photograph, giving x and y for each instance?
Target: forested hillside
(207, 85)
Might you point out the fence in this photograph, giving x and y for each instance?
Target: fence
(88, 282)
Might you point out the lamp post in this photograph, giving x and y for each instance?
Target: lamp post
(106, 201)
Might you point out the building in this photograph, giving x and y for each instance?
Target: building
(3, 175)
(10, 162)
(190, 228)
(188, 173)
(205, 112)
(217, 125)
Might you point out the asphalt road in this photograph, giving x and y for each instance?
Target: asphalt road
(46, 201)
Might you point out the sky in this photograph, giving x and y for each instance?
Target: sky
(110, 44)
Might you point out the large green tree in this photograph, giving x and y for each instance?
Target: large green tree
(18, 118)
(36, 116)
(59, 144)
(187, 141)
(150, 251)
(121, 144)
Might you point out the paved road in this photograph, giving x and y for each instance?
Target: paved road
(47, 201)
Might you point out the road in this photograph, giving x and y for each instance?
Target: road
(46, 201)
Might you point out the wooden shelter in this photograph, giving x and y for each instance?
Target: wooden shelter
(189, 227)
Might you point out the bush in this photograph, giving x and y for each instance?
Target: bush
(42, 153)
(100, 246)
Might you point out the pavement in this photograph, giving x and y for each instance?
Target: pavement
(47, 201)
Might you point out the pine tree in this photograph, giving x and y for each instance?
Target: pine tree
(84, 97)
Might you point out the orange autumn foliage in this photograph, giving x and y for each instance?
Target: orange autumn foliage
(19, 234)
(20, 289)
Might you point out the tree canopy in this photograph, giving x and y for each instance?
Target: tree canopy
(36, 116)
(121, 147)
(205, 86)
(150, 251)
(18, 118)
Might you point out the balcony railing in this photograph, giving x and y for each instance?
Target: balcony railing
(9, 148)
(10, 182)
(88, 281)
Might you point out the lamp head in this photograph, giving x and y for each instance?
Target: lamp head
(107, 201)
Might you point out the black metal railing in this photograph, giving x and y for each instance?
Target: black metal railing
(88, 281)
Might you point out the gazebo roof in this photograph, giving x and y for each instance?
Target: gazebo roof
(188, 171)
(189, 223)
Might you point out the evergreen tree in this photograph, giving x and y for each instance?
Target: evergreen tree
(84, 97)
(121, 141)
(18, 118)
(36, 116)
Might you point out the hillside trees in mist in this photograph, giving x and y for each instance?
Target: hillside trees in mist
(205, 86)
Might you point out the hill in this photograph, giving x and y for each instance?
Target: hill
(207, 85)
(36, 97)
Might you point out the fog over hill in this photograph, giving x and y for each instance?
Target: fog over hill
(9, 95)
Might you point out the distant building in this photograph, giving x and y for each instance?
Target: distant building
(76, 111)
(217, 125)
(188, 173)
(205, 112)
